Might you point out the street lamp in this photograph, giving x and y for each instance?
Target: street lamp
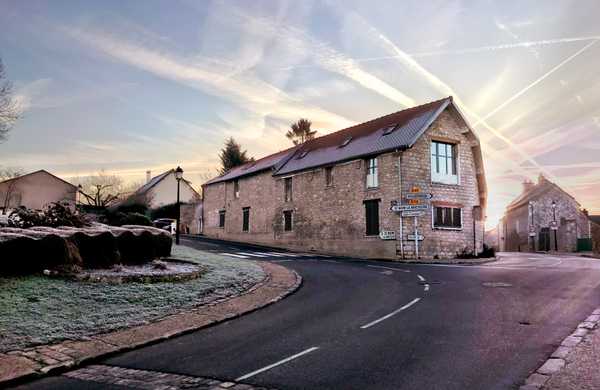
(531, 227)
(178, 176)
(554, 225)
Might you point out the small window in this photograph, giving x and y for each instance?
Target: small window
(372, 174)
(346, 142)
(236, 189)
(443, 163)
(329, 176)
(372, 217)
(389, 129)
(222, 218)
(288, 189)
(447, 217)
(246, 219)
(288, 221)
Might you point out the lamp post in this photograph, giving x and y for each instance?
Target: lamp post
(531, 228)
(554, 225)
(178, 176)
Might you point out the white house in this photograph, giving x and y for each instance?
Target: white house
(35, 190)
(161, 190)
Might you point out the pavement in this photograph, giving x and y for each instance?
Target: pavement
(381, 325)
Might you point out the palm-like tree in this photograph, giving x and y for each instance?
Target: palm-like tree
(300, 132)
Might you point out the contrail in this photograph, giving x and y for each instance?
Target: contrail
(536, 82)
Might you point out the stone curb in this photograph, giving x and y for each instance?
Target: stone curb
(558, 359)
(22, 365)
(446, 262)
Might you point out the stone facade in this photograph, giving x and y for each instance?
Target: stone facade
(571, 222)
(331, 218)
(595, 230)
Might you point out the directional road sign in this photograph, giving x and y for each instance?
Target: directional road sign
(409, 207)
(418, 195)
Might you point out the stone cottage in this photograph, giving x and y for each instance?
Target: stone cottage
(405, 185)
(35, 190)
(544, 218)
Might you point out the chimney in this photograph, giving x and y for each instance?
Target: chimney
(148, 176)
(528, 185)
(541, 179)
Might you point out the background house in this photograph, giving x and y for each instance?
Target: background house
(161, 190)
(36, 190)
(544, 218)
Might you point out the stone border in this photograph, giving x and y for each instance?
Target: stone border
(557, 360)
(21, 365)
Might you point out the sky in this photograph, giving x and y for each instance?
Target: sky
(148, 85)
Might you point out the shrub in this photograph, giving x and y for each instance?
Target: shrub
(119, 219)
(487, 252)
(53, 215)
(166, 211)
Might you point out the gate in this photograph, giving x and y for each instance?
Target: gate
(544, 240)
(584, 245)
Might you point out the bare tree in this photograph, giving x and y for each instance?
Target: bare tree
(9, 108)
(101, 189)
(9, 187)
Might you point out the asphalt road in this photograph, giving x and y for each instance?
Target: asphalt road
(382, 325)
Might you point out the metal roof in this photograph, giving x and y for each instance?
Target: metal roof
(361, 140)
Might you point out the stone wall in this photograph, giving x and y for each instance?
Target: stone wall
(331, 219)
(595, 228)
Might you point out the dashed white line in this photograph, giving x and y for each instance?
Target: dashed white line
(251, 254)
(251, 374)
(426, 288)
(234, 255)
(331, 261)
(269, 254)
(422, 279)
(390, 268)
(391, 314)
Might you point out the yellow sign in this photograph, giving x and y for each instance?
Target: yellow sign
(415, 189)
(414, 201)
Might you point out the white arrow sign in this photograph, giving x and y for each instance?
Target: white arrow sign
(408, 207)
(417, 213)
(412, 237)
(418, 195)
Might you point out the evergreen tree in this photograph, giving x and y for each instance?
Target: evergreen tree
(232, 156)
(300, 132)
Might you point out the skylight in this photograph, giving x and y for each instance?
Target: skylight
(346, 142)
(389, 130)
(303, 154)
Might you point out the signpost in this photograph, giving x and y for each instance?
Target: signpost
(413, 237)
(418, 195)
(408, 207)
(416, 213)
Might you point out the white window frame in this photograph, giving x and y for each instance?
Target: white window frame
(462, 218)
(444, 178)
(372, 179)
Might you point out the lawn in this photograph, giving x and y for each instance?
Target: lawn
(40, 310)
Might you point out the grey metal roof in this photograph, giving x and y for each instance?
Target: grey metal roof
(365, 139)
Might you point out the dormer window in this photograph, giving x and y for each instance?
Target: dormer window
(389, 130)
(302, 155)
(346, 142)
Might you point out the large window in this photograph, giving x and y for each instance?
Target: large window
(329, 176)
(447, 217)
(372, 174)
(372, 217)
(443, 163)
(288, 221)
(288, 189)
(246, 219)
(222, 218)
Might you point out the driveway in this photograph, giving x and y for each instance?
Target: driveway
(382, 325)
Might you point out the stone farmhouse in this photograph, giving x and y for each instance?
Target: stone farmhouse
(544, 218)
(333, 194)
(35, 190)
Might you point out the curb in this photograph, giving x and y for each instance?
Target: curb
(33, 363)
(558, 360)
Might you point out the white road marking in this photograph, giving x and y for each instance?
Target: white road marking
(233, 255)
(251, 254)
(426, 288)
(391, 314)
(276, 364)
(281, 261)
(270, 254)
(390, 268)
(331, 261)
(422, 279)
